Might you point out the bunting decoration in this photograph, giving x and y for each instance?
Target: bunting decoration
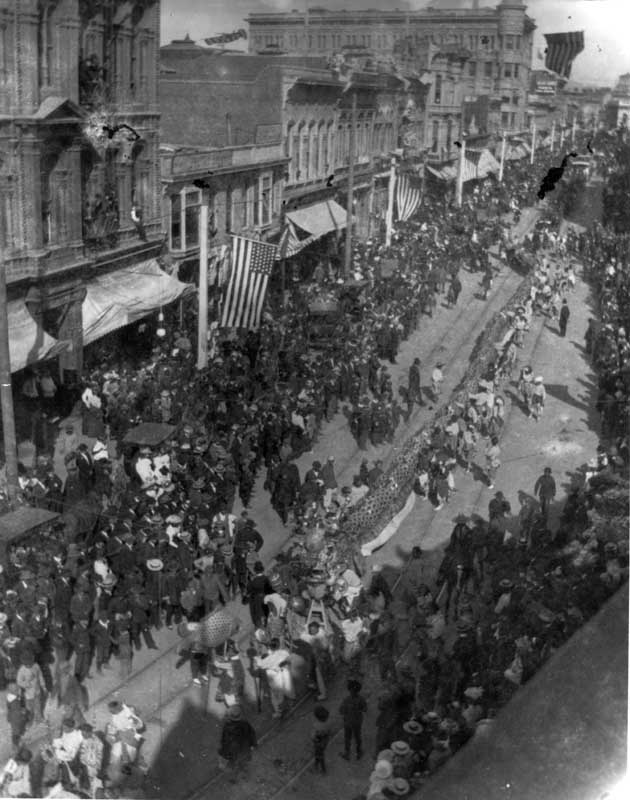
(223, 38)
(407, 198)
(562, 48)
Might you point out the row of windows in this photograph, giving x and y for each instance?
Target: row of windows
(316, 150)
(322, 41)
(245, 207)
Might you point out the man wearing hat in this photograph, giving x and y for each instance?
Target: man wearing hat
(238, 740)
(103, 636)
(414, 390)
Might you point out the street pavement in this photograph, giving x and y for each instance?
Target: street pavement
(183, 720)
(565, 438)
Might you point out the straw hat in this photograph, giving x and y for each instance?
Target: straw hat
(400, 748)
(155, 565)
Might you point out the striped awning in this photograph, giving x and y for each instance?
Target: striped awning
(445, 173)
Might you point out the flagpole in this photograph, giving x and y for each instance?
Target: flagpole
(553, 135)
(350, 203)
(561, 136)
(460, 172)
(531, 156)
(503, 143)
(389, 217)
(202, 320)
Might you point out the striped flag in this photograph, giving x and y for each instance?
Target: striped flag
(562, 48)
(252, 263)
(407, 198)
(290, 243)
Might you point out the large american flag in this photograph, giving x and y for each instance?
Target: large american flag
(407, 198)
(247, 286)
(562, 48)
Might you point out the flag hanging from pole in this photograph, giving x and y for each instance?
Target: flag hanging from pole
(290, 243)
(244, 296)
(562, 48)
(407, 198)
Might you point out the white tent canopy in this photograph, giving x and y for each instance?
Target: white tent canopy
(125, 296)
(28, 341)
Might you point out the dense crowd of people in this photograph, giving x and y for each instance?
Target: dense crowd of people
(147, 536)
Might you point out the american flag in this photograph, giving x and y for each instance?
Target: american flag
(245, 294)
(290, 243)
(407, 198)
(562, 48)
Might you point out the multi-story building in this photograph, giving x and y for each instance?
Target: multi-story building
(477, 59)
(617, 109)
(80, 194)
(280, 144)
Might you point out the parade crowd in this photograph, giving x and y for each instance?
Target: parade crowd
(147, 537)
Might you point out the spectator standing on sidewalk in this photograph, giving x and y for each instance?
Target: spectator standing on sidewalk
(545, 490)
(415, 388)
(437, 378)
(352, 709)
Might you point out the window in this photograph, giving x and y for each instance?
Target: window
(305, 153)
(507, 71)
(487, 69)
(295, 154)
(518, 42)
(437, 90)
(509, 42)
(176, 222)
(516, 70)
(505, 99)
(229, 202)
(436, 132)
(515, 99)
(185, 207)
(4, 52)
(250, 197)
(264, 210)
(472, 68)
(505, 119)
(369, 40)
(513, 119)
(310, 42)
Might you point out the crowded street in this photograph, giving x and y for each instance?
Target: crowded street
(336, 509)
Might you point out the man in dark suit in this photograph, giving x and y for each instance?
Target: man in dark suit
(415, 391)
(85, 465)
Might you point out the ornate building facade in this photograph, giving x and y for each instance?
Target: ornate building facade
(476, 59)
(79, 153)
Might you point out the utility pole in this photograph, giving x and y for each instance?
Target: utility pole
(573, 127)
(460, 172)
(561, 136)
(389, 217)
(6, 393)
(202, 320)
(553, 134)
(501, 165)
(531, 155)
(350, 203)
(423, 183)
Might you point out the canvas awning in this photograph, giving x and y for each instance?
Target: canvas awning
(28, 341)
(125, 296)
(319, 218)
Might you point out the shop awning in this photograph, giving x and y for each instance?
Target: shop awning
(28, 342)
(319, 218)
(125, 296)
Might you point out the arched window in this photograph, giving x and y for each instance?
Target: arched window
(322, 154)
(305, 152)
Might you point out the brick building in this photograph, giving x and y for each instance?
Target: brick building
(75, 205)
(477, 59)
(269, 135)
